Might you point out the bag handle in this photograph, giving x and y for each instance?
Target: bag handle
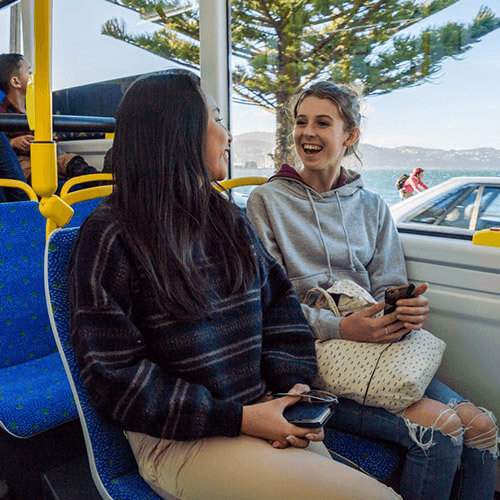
(329, 299)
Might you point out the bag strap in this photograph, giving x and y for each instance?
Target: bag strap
(324, 294)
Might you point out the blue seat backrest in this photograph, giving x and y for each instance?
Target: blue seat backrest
(112, 464)
(24, 323)
(34, 390)
(82, 210)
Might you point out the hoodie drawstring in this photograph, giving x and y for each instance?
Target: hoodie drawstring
(349, 251)
(320, 232)
(289, 173)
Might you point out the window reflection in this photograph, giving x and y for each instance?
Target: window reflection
(472, 207)
(453, 209)
(489, 212)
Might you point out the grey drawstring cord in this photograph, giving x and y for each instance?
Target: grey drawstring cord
(311, 201)
(351, 261)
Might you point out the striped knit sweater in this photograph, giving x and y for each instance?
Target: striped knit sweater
(176, 380)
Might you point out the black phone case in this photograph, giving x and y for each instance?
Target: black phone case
(394, 293)
(305, 414)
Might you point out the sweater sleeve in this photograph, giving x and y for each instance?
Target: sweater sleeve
(387, 266)
(257, 213)
(288, 353)
(417, 184)
(422, 185)
(324, 324)
(120, 376)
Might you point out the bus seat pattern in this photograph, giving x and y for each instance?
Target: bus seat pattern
(112, 464)
(34, 390)
(82, 210)
(380, 459)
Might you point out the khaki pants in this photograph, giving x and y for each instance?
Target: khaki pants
(244, 468)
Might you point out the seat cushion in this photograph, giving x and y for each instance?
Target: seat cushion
(379, 459)
(35, 396)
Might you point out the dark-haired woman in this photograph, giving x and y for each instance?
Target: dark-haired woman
(182, 322)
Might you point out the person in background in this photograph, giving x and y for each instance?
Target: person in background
(14, 74)
(185, 321)
(413, 184)
(322, 225)
(10, 169)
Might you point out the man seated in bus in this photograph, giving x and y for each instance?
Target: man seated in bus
(10, 169)
(14, 75)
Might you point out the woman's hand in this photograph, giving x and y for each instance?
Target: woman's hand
(410, 314)
(362, 327)
(266, 421)
(413, 312)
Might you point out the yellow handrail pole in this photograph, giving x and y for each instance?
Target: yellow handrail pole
(43, 148)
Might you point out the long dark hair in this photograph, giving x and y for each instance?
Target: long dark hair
(172, 219)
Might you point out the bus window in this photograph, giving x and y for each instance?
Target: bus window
(423, 105)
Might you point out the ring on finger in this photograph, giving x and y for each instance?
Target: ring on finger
(386, 331)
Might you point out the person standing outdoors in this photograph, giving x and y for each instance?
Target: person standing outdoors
(413, 184)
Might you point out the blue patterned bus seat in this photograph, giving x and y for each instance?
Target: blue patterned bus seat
(34, 390)
(112, 464)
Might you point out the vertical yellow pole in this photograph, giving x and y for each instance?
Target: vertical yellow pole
(43, 148)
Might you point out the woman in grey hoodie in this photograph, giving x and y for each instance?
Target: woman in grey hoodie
(322, 225)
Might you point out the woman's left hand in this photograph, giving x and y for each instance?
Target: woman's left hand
(413, 312)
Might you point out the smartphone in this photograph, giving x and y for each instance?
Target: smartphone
(394, 293)
(310, 415)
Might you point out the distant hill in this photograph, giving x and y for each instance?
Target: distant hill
(411, 157)
(254, 147)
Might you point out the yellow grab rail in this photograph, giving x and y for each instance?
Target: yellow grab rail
(20, 185)
(80, 195)
(238, 182)
(81, 179)
(487, 237)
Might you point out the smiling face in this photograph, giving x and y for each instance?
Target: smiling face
(217, 144)
(320, 136)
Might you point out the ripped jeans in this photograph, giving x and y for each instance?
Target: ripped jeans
(437, 466)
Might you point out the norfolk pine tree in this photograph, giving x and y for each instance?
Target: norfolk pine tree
(285, 44)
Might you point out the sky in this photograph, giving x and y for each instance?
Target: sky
(460, 109)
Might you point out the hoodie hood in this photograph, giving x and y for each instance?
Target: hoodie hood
(348, 183)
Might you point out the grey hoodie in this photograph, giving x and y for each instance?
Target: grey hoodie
(345, 233)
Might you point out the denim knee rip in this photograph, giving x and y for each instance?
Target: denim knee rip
(486, 441)
(423, 436)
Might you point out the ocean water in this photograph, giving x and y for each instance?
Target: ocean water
(383, 180)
